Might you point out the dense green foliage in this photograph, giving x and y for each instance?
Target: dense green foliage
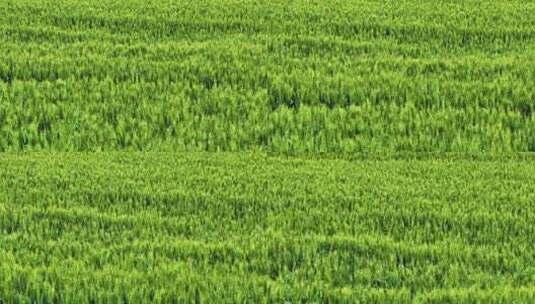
(129, 227)
(381, 151)
(292, 77)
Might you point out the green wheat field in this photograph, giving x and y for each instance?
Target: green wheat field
(255, 151)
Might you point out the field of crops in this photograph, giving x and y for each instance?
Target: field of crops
(295, 77)
(300, 151)
(232, 228)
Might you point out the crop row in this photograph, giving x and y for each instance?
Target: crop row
(94, 115)
(449, 25)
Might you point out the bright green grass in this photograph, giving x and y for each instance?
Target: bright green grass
(95, 228)
(292, 77)
(381, 151)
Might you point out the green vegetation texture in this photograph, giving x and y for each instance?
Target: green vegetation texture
(291, 77)
(254, 151)
(234, 228)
